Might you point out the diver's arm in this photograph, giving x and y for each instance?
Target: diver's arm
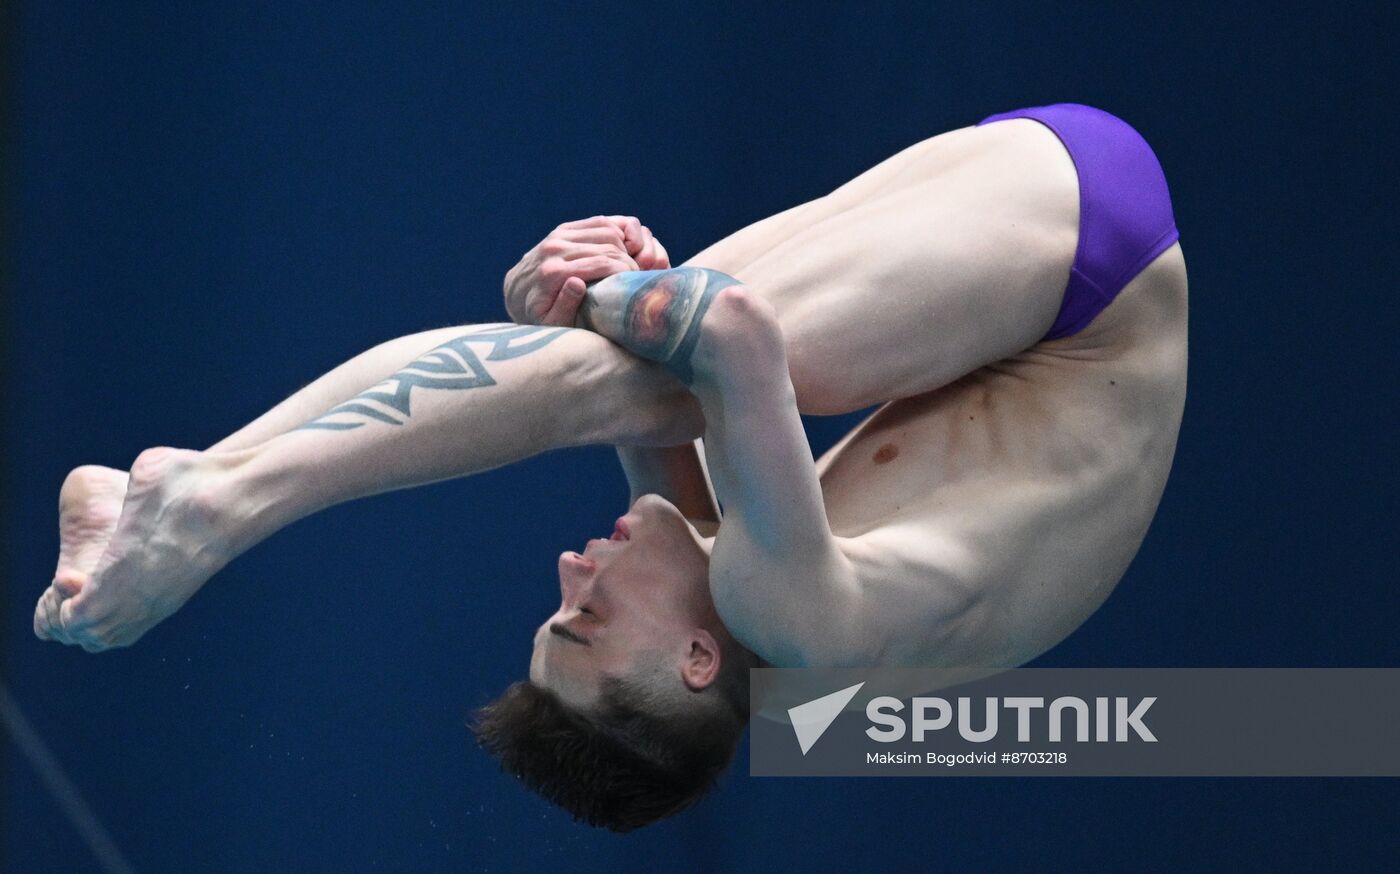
(777, 573)
(778, 576)
(676, 473)
(546, 287)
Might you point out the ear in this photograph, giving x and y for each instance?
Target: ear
(702, 662)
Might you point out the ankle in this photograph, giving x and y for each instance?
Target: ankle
(255, 492)
(221, 501)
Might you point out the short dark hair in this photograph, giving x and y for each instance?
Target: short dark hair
(632, 760)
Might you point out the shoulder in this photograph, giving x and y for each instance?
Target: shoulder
(894, 600)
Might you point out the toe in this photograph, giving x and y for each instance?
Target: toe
(69, 582)
(46, 616)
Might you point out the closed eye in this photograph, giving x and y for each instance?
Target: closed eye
(559, 630)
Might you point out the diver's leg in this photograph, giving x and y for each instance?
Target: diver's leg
(753, 241)
(90, 500)
(947, 257)
(336, 386)
(485, 397)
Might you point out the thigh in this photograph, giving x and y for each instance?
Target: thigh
(950, 256)
(748, 244)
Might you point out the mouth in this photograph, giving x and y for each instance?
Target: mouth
(621, 534)
(621, 531)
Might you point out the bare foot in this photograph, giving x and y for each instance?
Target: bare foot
(88, 507)
(161, 548)
(89, 504)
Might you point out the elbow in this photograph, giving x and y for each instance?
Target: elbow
(739, 337)
(740, 319)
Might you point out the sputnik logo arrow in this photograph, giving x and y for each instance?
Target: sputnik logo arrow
(811, 720)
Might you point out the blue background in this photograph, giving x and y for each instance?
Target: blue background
(211, 203)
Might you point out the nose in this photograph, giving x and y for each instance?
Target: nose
(575, 577)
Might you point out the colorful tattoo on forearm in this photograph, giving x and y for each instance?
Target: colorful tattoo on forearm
(654, 314)
(453, 366)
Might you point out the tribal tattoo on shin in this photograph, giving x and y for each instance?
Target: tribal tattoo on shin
(654, 314)
(453, 366)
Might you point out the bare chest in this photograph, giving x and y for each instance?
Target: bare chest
(894, 466)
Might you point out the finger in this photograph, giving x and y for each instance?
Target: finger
(647, 244)
(653, 257)
(541, 299)
(586, 250)
(602, 234)
(632, 233)
(599, 266)
(661, 260)
(629, 227)
(564, 311)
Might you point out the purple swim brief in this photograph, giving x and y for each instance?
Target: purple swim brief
(1125, 212)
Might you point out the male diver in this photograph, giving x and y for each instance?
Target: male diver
(1011, 294)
